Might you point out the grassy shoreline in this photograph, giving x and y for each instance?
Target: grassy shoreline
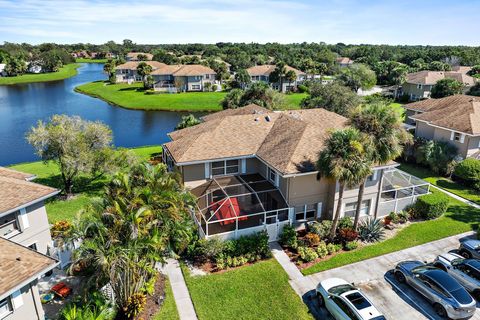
(84, 60)
(65, 72)
(133, 97)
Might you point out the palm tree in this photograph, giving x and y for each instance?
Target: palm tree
(343, 159)
(384, 132)
(290, 76)
(278, 74)
(144, 70)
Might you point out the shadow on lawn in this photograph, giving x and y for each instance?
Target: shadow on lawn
(466, 214)
(81, 184)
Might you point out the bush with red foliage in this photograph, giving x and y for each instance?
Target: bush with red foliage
(347, 235)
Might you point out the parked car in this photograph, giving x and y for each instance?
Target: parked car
(448, 297)
(470, 249)
(345, 302)
(465, 271)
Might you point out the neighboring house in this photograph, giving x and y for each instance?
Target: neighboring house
(262, 73)
(253, 169)
(23, 218)
(419, 84)
(20, 268)
(133, 56)
(344, 62)
(180, 78)
(455, 119)
(2, 70)
(127, 72)
(34, 67)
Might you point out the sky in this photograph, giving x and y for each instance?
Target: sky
(424, 22)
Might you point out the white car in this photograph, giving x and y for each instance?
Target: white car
(345, 302)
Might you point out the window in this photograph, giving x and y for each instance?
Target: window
(306, 212)
(372, 177)
(33, 246)
(272, 176)
(345, 308)
(351, 207)
(5, 307)
(419, 86)
(224, 167)
(195, 87)
(457, 136)
(207, 76)
(8, 224)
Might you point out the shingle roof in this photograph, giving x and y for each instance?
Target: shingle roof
(16, 191)
(132, 65)
(183, 70)
(427, 77)
(19, 265)
(134, 55)
(459, 112)
(344, 60)
(289, 141)
(266, 69)
(6, 172)
(249, 109)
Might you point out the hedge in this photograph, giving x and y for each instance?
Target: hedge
(469, 171)
(431, 206)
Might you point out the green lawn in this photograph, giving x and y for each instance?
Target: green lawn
(49, 174)
(294, 100)
(258, 291)
(168, 309)
(459, 218)
(84, 60)
(65, 72)
(442, 182)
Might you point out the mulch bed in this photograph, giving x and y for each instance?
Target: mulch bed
(155, 301)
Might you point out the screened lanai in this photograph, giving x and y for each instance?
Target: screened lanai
(238, 205)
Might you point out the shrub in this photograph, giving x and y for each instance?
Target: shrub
(289, 237)
(347, 234)
(469, 172)
(322, 249)
(221, 262)
(312, 239)
(307, 254)
(344, 223)
(61, 229)
(209, 248)
(332, 248)
(371, 230)
(302, 88)
(320, 228)
(352, 245)
(403, 216)
(135, 305)
(393, 217)
(431, 206)
(438, 155)
(256, 244)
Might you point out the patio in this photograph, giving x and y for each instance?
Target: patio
(232, 206)
(399, 189)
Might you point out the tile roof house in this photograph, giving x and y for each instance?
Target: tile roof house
(418, 85)
(344, 62)
(455, 119)
(253, 169)
(20, 268)
(23, 218)
(133, 56)
(262, 73)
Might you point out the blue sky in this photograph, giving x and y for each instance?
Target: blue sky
(423, 22)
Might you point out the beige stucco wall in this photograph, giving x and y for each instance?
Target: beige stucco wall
(414, 92)
(31, 308)
(38, 230)
(423, 130)
(306, 189)
(473, 144)
(193, 175)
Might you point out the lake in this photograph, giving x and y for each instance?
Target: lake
(21, 106)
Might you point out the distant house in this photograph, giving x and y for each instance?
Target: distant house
(133, 56)
(20, 268)
(262, 73)
(2, 69)
(23, 218)
(419, 84)
(34, 67)
(344, 62)
(127, 72)
(455, 119)
(190, 77)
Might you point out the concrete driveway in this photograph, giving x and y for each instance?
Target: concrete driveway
(396, 301)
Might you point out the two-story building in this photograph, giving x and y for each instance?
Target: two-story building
(418, 85)
(262, 73)
(138, 56)
(253, 169)
(181, 78)
(344, 62)
(127, 72)
(455, 119)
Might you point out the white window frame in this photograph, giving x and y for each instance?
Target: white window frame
(419, 86)
(196, 87)
(7, 302)
(304, 209)
(225, 167)
(364, 211)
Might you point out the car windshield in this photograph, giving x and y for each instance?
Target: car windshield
(422, 269)
(473, 269)
(379, 318)
(338, 290)
(358, 300)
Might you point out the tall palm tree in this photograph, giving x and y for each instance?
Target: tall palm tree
(278, 74)
(343, 159)
(384, 132)
(144, 70)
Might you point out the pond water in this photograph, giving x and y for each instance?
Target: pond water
(21, 106)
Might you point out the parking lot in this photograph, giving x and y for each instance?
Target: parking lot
(373, 276)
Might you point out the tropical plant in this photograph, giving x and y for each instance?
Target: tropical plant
(307, 254)
(446, 87)
(384, 136)
(322, 249)
(371, 230)
(321, 228)
(352, 245)
(440, 156)
(144, 70)
(347, 235)
(187, 121)
(288, 237)
(332, 97)
(278, 74)
(312, 239)
(243, 78)
(342, 160)
(290, 76)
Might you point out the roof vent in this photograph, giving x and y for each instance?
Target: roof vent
(256, 119)
(268, 118)
(18, 259)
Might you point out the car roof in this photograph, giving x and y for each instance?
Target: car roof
(472, 243)
(329, 283)
(450, 256)
(365, 308)
(442, 278)
(474, 263)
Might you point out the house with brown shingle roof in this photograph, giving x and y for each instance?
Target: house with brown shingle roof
(455, 119)
(262, 73)
(138, 56)
(23, 218)
(418, 85)
(20, 268)
(183, 77)
(254, 169)
(344, 62)
(127, 72)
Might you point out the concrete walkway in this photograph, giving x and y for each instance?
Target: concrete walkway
(470, 203)
(185, 308)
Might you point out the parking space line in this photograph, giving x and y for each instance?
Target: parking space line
(425, 312)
